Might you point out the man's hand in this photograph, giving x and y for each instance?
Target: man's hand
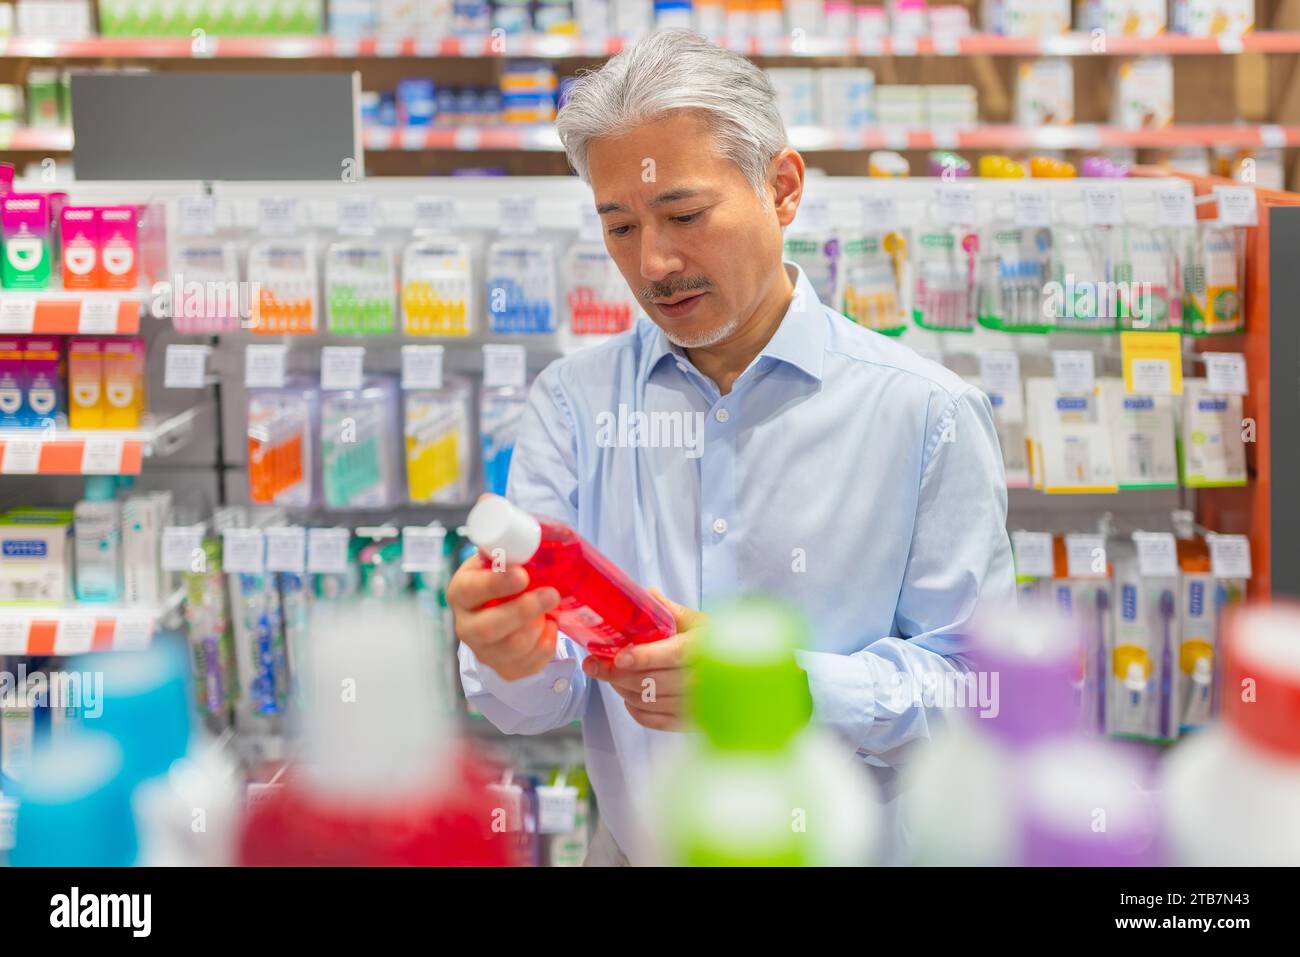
(651, 678)
(513, 638)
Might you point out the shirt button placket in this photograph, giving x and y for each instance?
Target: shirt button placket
(718, 505)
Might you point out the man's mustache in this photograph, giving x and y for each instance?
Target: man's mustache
(666, 290)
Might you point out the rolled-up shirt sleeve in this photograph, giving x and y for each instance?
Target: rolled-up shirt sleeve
(543, 480)
(960, 560)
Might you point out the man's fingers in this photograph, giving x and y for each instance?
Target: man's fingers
(659, 704)
(489, 626)
(474, 584)
(653, 721)
(664, 684)
(653, 655)
(684, 618)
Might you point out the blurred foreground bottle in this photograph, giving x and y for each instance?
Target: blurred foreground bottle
(382, 780)
(1014, 781)
(1232, 792)
(759, 786)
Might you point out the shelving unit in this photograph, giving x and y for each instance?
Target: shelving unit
(58, 451)
(80, 628)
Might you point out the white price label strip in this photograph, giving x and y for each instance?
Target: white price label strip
(357, 214)
(327, 550)
(182, 548)
(880, 213)
(8, 823)
(1085, 556)
(435, 214)
(13, 636)
(1032, 208)
(956, 205)
(21, 457)
(1075, 371)
(1000, 372)
(243, 550)
(422, 548)
(1033, 553)
(518, 214)
(75, 636)
(97, 316)
(277, 215)
(286, 549)
(504, 365)
(342, 367)
(186, 366)
(101, 456)
(264, 366)
(1175, 206)
(1103, 206)
(196, 215)
(1152, 377)
(1236, 205)
(422, 367)
(17, 315)
(1229, 555)
(132, 633)
(557, 809)
(1225, 373)
(1157, 554)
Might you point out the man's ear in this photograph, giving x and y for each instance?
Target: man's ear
(785, 178)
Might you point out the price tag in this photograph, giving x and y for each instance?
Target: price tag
(196, 215)
(182, 548)
(518, 214)
(1032, 208)
(956, 205)
(264, 366)
(1075, 371)
(1272, 136)
(904, 44)
(327, 550)
(947, 44)
(13, 636)
(1231, 43)
(880, 212)
(1085, 556)
(1103, 206)
(1175, 206)
(1033, 554)
(1157, 554)
(388, 46)
(277, 215)
(422, 367)
(341, 367)
(21, 457)
(101, 455)
(286, 549)
(357, 214)
(1225, 373)
(132, 633)
(1000, 372)
(377, 137)
(1153, 363)
(504, 365)
(243, 550)
(8, 823)
(422, 548)
(1236, 205)
(186, 366)
(97, 316)
(435, 214)
(74, 636)
(1229, 555)
(557, 809)
(17, 315)
(896, 137)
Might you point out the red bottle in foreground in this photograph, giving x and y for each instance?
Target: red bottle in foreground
(600, 607)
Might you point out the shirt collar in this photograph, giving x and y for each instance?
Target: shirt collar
(800, 339)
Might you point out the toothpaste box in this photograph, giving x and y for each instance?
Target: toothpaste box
(35, 555)
(1026, 18)
(42, 381)
(85, 384)
(79, 237)
(25, 223)
(119, 246)
(11, 382)
(1045, 92)
(1144, 94)
(123, 382)
(1124, 18)
(1209, 18)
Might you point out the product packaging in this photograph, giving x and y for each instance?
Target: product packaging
(1069, 443)
(1016, 269)
(1205, 18)
(360, 286)
(521, 286)
(28, 252)
(873, 264)
(11, 382)
(42, 382)
(1144, 268)
(501, 408)
(1142, 436)
(359, 457)
(207, 296)
(439, 444)
(1211, 447)
(281, 431)
(812, 244)
(437, 287)
(86, 400)
(1213, 283)
(1080, 297)
(1140, 696)
(1144, 94)
(79, 234)
(283, 271)
(947, 262)
(98, 529)
(36, 555)
(124, 398)
(1045, 92)
(119, 242)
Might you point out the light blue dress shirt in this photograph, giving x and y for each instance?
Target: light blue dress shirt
(843, 472)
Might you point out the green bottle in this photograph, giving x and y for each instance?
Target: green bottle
(759, 786)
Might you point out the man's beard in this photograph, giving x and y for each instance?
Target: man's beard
(704, 338)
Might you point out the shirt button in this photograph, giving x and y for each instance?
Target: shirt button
(560, 686)
(720, 526)
(722, 415)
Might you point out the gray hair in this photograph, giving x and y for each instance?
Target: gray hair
(677, 70)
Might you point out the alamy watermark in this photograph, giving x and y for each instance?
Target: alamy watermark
(79, 690)
(651, 430)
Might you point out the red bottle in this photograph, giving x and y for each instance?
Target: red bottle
(600, 607)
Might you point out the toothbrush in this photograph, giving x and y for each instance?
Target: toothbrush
(1099, 656)
(1166, 660)
(1136, 685)
(1198, 698)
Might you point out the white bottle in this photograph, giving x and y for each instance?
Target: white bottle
(1232, 792)
(97, 521)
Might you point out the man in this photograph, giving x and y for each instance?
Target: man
(837, 468)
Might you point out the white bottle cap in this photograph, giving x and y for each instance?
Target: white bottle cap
(496, 526)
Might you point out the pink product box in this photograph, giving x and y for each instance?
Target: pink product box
(119, 246)
(79, 235)
(11, 381)
(25, 223)
(42, 381)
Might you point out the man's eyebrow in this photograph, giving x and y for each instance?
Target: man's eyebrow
(671, 196)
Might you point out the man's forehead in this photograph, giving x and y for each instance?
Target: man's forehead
(673, 194)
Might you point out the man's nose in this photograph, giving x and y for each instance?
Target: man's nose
(659, 259)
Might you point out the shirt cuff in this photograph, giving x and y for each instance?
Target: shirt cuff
(843, 693)
(535, 695)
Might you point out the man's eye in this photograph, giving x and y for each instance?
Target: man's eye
(620, 230)
(685, 218)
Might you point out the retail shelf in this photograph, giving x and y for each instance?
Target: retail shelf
(20, 138)
(327, 47)
(543, 138)
(56, 451)
(79, 628)
(53, 312)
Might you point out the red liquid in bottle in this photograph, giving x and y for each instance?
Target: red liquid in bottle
(600, 607)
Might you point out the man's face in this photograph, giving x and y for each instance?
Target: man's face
(695, 243)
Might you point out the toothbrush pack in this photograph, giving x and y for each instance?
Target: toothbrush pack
(437, 288)
(281, 430)
(521, 287)
(1141, 698)
(1015, 272)
(360, 287)
(439, 444)
(358, 446)
(873, 281)
(283, 273)
(1213, 280)
(946, 273)
(597, 298)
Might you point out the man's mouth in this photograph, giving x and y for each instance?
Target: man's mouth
(679, 306)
